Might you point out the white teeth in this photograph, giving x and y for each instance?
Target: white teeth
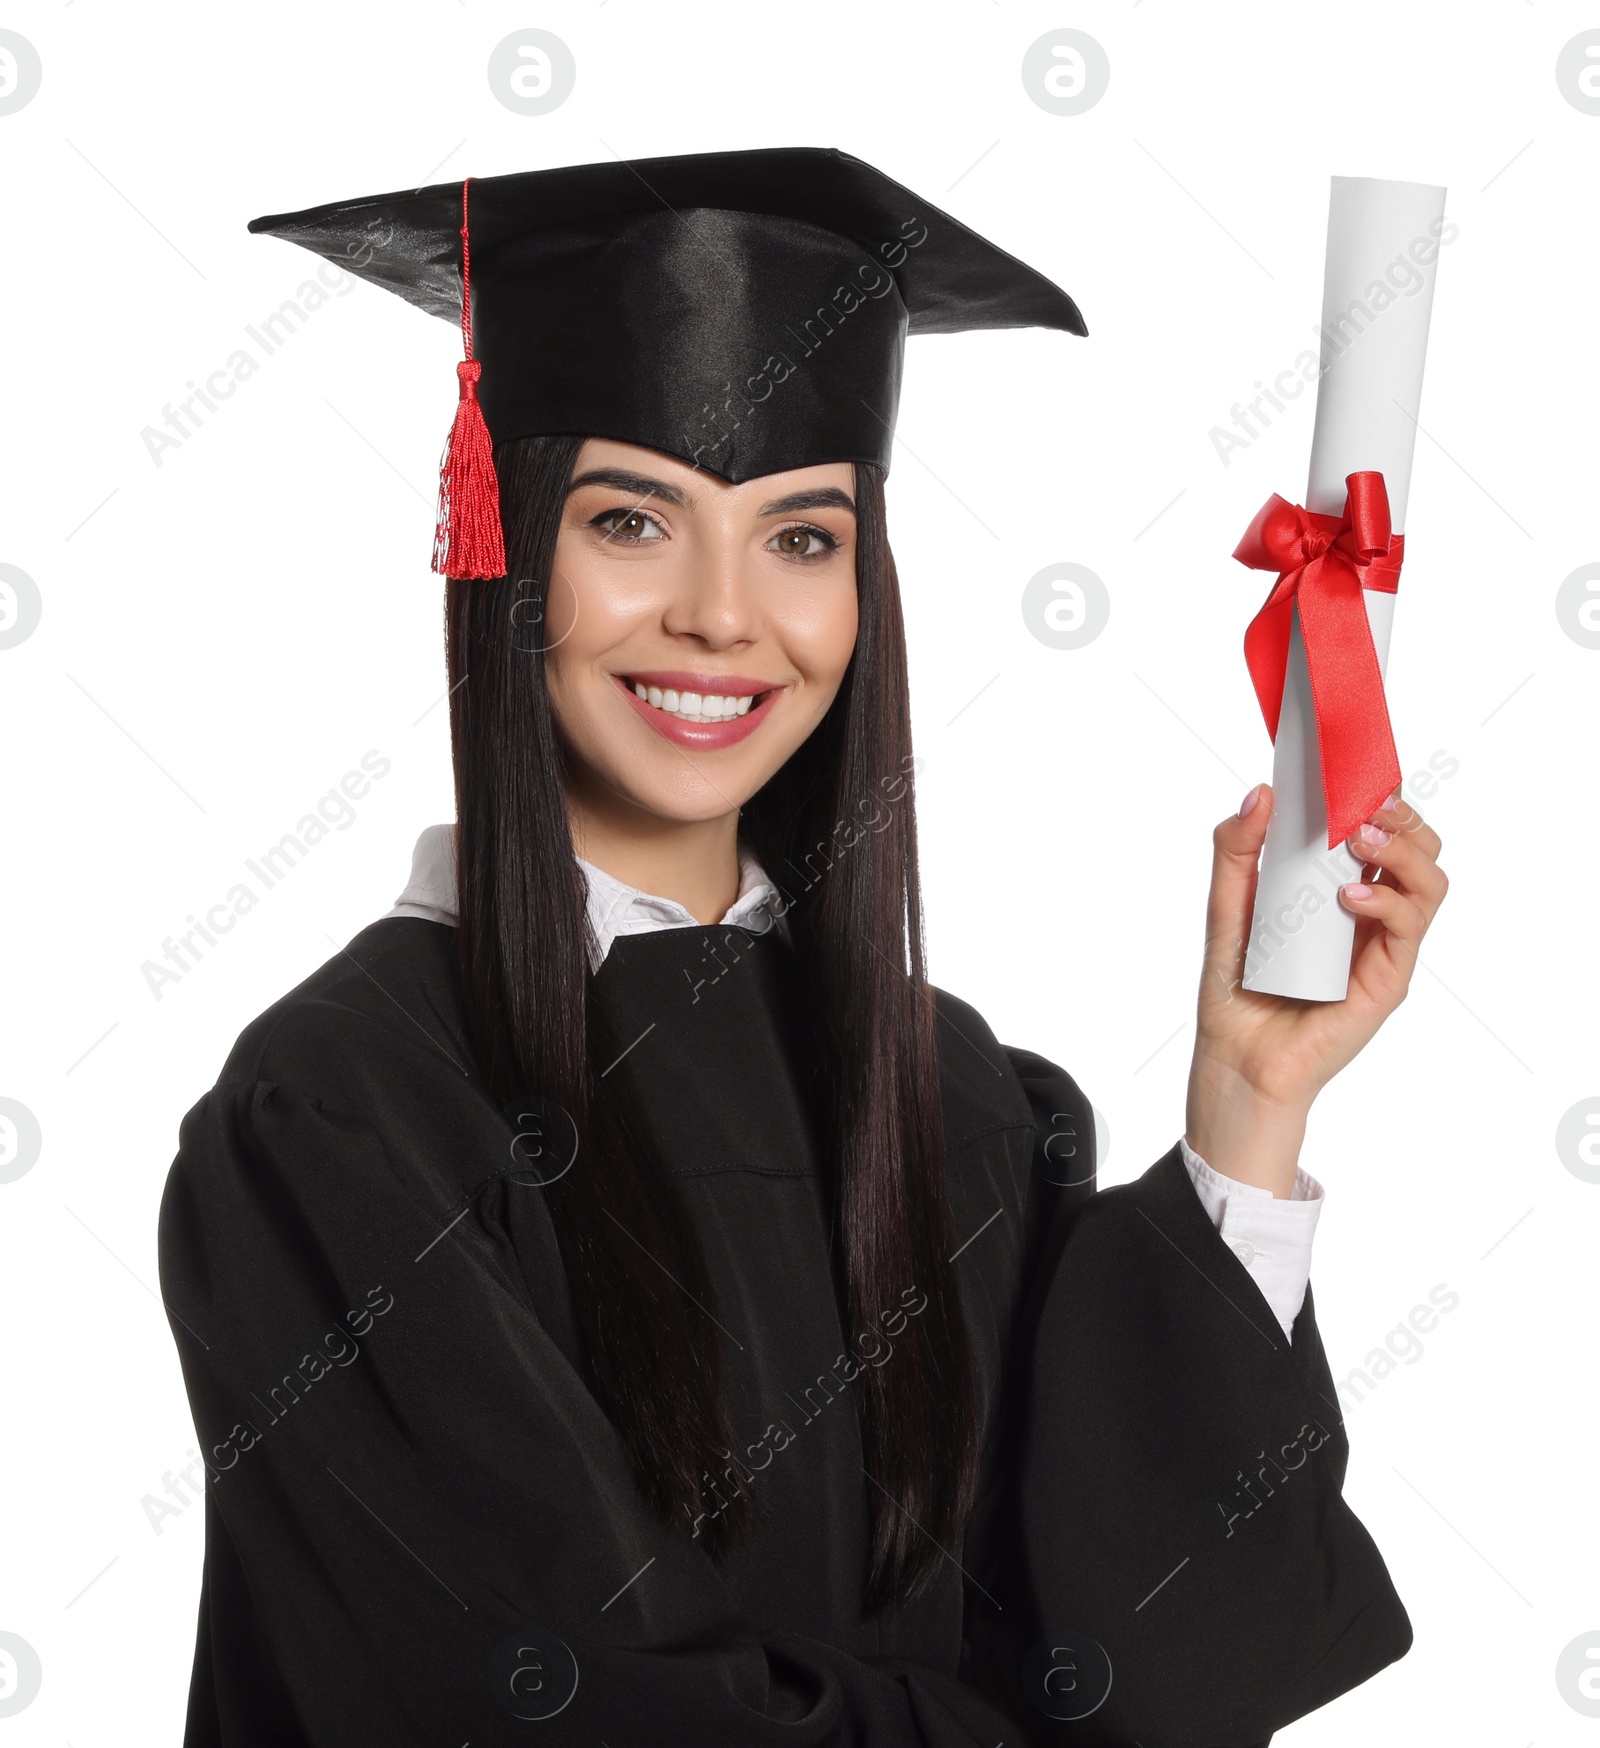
(694, 706)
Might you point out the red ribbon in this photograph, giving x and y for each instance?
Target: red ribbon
(1323, 564)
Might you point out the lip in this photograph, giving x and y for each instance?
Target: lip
(701, 736)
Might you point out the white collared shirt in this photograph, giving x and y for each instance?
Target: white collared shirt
(615, 908)
(1270, 1236)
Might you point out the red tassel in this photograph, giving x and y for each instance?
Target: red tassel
(467, 541)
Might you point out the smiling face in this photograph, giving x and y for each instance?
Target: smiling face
(698, 631)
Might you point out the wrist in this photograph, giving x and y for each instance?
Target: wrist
(1241, 1132)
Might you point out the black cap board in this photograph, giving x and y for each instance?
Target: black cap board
(744, 311)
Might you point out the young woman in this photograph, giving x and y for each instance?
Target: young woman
(620, 1299)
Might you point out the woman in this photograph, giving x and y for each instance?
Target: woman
(617, 1293)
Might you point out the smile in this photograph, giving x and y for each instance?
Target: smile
(694, 706)
(700, 711)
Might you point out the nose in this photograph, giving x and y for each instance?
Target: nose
(715, 603)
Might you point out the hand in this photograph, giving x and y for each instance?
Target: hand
(1260, 1060)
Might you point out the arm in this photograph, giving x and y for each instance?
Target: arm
(1260, 1060)
(1271, 1236)
(1164, 1533)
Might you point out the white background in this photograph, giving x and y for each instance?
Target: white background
(225, 634)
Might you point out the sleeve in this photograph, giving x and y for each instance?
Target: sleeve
(1162, 1554)
(421, 1527)
(1271, 1236)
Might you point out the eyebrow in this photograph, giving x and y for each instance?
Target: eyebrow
(829, 498)
(643, 486)
(640, 484)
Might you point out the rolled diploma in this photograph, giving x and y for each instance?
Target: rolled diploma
(1367, 403)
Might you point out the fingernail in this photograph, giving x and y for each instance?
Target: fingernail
(1250, 800)
(1374, 835)
(1356, 889)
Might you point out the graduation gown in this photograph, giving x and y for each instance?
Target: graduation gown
(421, 1527)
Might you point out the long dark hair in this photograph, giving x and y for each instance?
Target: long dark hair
(835, 830)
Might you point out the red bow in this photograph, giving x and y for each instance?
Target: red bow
(1323, 563)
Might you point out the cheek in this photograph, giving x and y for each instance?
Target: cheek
(587, 612)
(819, 634)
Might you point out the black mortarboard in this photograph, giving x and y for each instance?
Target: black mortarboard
(744, 311)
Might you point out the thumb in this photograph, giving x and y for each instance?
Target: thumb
(1236, 854)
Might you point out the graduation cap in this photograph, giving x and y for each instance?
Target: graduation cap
(743, 311)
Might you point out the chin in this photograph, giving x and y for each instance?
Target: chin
(683, 798)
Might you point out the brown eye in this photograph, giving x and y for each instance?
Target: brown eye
(630, 526)
(802, 542)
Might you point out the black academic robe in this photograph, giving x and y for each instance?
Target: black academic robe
(422, 1529)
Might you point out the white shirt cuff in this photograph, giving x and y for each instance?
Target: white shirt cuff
(1271, 1237)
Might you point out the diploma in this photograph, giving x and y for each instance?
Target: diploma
(1331, 734)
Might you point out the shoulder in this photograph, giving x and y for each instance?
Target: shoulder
(357, 1088)
(989, 1086)
(388, 1003)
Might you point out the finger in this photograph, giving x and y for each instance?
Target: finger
(1406, 863)
(1236, 854)
(1398, 815)
(1402, 920)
